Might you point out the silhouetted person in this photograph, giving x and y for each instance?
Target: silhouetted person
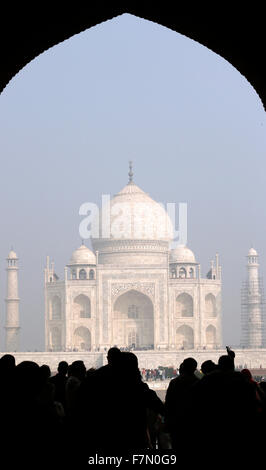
(7, 371)
(208, 366)
(7, 363)
(90, 372)
(25, 415)
(259, 393)
(76, 375)
(45, 373)
(178, 402)
(262, 385)
(113, 356)
(33, 415)
(59, 381)
(231, 354)
(7, 397)
(226, 363)
(46, 393)
(224, 402)
(113, 408)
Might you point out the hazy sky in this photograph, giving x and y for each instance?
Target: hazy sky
(129, 89)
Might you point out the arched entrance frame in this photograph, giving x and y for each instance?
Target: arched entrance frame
(55, 307)
(210, 306)
(211, 336)
(67, 23)
(81, 306)
(185, 337)
(126, 322)
(56, 338)
(184, 307)
(82, 338)
(235, 43)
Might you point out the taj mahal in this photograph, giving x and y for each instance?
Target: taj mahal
(137, 289)
(133, 290)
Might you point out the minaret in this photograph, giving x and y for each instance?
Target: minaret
(12, 304)
(252, 305)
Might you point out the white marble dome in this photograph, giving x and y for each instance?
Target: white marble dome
(252, 252)
(134, 215)
(12, 255)
(182, 254)
(82, 255)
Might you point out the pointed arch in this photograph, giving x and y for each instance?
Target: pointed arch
(82, 339)
(210, 336)
(73, 274)
(92, 274)
(133, 318)
(210, 305)
(82, 274)
(56, 308)
(185, 337)
(191, 273)
(82, 306)
(184, 305)
(182, 273)
(173, 273)
(56, 341)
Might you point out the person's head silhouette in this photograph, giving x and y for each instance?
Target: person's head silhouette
(208, 366)
(62, 368)
(7, 363)
(226, 363)
(113, 356)
(189, 366)
(78, 370)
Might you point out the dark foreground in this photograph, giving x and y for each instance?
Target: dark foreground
(82, 417)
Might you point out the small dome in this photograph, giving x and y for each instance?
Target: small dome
(182, 254)
(83, 255)
(252, 252)
(12, 255)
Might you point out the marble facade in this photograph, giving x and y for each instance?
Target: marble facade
(133, 289)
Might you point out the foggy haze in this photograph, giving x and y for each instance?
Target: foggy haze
(129, 89)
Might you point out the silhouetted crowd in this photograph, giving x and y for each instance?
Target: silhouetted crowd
(76, 413)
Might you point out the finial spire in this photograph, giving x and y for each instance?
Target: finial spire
(130, 173)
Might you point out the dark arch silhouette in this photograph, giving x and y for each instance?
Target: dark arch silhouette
(238, 36)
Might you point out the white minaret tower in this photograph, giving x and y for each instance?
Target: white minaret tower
(12, 304)
(252, 305)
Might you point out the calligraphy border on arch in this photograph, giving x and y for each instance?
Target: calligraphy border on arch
(119, 288)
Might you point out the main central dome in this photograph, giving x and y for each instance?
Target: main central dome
(134, 215)
(133, 229)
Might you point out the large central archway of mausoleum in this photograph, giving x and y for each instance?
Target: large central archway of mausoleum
(133, 321)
